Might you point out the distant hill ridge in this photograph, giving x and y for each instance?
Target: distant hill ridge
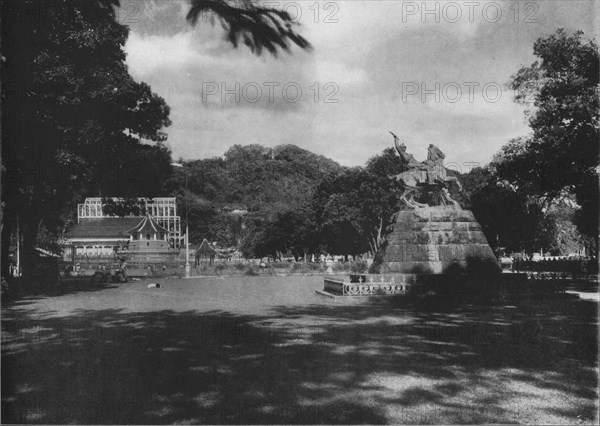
(258, 177)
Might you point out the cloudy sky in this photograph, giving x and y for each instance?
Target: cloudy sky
(432, 72)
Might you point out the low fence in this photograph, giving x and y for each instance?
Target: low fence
(559, 268)
(87, 257)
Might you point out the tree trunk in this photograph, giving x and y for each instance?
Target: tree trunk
(28, 254)
(378, 237)
(8, 229)
(373, 246)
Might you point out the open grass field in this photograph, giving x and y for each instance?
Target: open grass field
(265, 350)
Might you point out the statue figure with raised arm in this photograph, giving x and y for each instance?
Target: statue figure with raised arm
(428, 177)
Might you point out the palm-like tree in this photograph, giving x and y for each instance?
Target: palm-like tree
(256, 26)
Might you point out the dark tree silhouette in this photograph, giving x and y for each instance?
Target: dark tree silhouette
(563, 151)
(256, 26)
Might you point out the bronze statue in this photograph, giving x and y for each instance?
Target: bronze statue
(428, 177)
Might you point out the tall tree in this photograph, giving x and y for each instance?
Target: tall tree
(287, 231)
(563, 150)
(74, 119)
(496, 205)
(355, 207)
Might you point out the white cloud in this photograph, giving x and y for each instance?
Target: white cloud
(369, 53)
(146, 54)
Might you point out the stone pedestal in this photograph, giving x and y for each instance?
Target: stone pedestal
(433, 240)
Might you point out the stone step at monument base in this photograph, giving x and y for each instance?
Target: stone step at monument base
(425, 267)
(388, 284)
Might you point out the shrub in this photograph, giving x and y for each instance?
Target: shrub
(339, 266)
(269, 267)
(359, 266)
(375, 268)
(316, 266)
(240, 266)
(251, 270)
(307, 267)
(301, 267)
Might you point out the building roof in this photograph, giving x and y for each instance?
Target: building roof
(205, 248)
(147, 224)
(107, 227)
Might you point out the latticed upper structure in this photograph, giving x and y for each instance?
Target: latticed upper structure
(98, 234)
(163, 211)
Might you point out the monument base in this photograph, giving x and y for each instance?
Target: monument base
(433, 240)
(369, 284)
(439, 249)
(395, 284)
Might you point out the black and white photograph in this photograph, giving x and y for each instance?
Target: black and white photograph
(299, 212)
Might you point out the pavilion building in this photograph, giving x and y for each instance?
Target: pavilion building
(205, 254)
(153, 237)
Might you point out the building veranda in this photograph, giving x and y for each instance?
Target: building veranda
(151, 236)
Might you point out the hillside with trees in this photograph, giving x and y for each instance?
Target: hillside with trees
(256, 177)
(234, 196)
(273, 201)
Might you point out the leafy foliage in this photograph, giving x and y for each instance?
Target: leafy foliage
(515, 220)
(294, 201)
(258, 27)
(253, 197)
(253, 177)
(506, 216)
(560, 235)
(123, 207)
(354, 208)
(74, 120)
(288, 231)
(563, 150)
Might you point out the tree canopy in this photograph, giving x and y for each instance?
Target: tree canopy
(563, 149)
(266, 186)
(74, 120)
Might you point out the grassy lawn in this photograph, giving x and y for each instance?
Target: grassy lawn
(269, 350)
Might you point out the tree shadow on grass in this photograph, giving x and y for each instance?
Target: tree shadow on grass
(24, 290)
(313, 364)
